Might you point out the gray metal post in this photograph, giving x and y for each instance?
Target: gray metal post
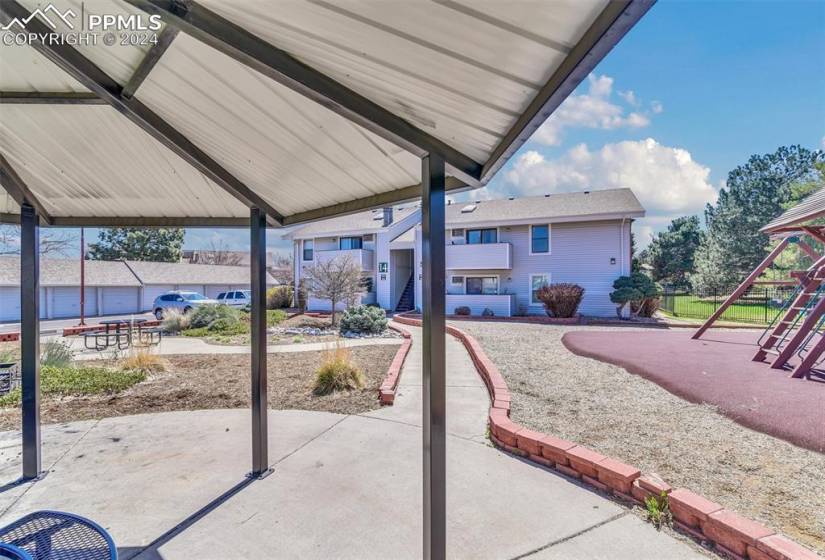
(257, 259)
(434, 385)
(30, 338)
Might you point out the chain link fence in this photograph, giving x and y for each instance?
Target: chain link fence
(758, 305)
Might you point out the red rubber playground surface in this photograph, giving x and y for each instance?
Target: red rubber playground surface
(717, 369)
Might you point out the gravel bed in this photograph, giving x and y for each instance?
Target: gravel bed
(622, 415)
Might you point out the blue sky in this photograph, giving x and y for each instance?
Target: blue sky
(691, 92)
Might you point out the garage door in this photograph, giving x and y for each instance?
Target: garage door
(191, 288)
(152, 291)
(9, 304)
(66, 302)
(213, 291)
(119, 300)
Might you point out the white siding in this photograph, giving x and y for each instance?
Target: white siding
(213, 291)
(9, 303)
(65, 302)
(117, 300)
(501, 305)
(151, 291)
(580, 252)
(191, 288)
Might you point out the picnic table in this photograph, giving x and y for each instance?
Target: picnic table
(120, 332)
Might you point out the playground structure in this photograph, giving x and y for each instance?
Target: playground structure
(798, 328)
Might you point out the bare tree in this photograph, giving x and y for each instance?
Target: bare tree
(336, 280)
(282, 270)
(52, 242)
(218, 253)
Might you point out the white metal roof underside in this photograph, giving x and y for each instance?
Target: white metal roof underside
(476, 76)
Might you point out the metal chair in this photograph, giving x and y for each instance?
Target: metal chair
(55, 535)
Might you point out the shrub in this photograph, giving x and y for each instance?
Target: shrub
(174, 321)
(56, 353)
(337, 372)
(462, 310)
(560, 300)
(196, 333)
(143, 360)
(224, 325)
(275, 317)
(638, 291)
(488, 312)
(204, 315)
(364, 319)
(279, 297)
(8, 356)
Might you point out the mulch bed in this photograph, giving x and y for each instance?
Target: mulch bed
(623, 415)
(203, 381)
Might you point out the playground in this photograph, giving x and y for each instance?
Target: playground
(716, 370)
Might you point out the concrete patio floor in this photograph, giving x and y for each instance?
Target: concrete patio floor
(171, 486)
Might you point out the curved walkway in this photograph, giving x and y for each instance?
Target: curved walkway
(171, 485)
(190, 345)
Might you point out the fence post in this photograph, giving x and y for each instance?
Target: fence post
(766, 305)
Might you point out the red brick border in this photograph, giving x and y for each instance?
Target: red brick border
(9, 336)
(386, 393)
(732, 534)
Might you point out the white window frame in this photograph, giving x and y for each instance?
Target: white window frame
(549, 240)
(303, 250)
(549, 279)
(496, 276)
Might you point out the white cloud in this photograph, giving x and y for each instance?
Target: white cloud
(667, 181)
(593, 109)
(629, 96)
(656, 107)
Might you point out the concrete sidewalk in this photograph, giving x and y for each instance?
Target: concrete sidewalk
(188, 345)
(171, 486)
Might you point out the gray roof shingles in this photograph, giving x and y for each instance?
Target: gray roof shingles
(66, 272)
(582, 206)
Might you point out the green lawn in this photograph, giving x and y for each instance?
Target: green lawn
(693, 307)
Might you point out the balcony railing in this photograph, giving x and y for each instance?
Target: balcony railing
(482, 256)
(362, 256)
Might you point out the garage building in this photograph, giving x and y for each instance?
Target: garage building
(113, 287)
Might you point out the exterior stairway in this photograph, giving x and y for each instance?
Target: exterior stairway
(407, 300)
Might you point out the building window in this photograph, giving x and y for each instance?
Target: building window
(477, 236)
(540, 239)
(458, 233)
(346, 243)
(486, 285)
(308, 244)
(458, 280)
(536, 282)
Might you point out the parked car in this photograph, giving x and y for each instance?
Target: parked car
(238, 298)
(180, 301)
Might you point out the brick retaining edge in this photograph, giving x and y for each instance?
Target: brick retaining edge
(386, 393)
(733, 535)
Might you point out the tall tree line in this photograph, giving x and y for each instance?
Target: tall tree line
(731, 245)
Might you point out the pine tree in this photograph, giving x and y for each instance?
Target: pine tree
(755, 194)
(138, 244)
